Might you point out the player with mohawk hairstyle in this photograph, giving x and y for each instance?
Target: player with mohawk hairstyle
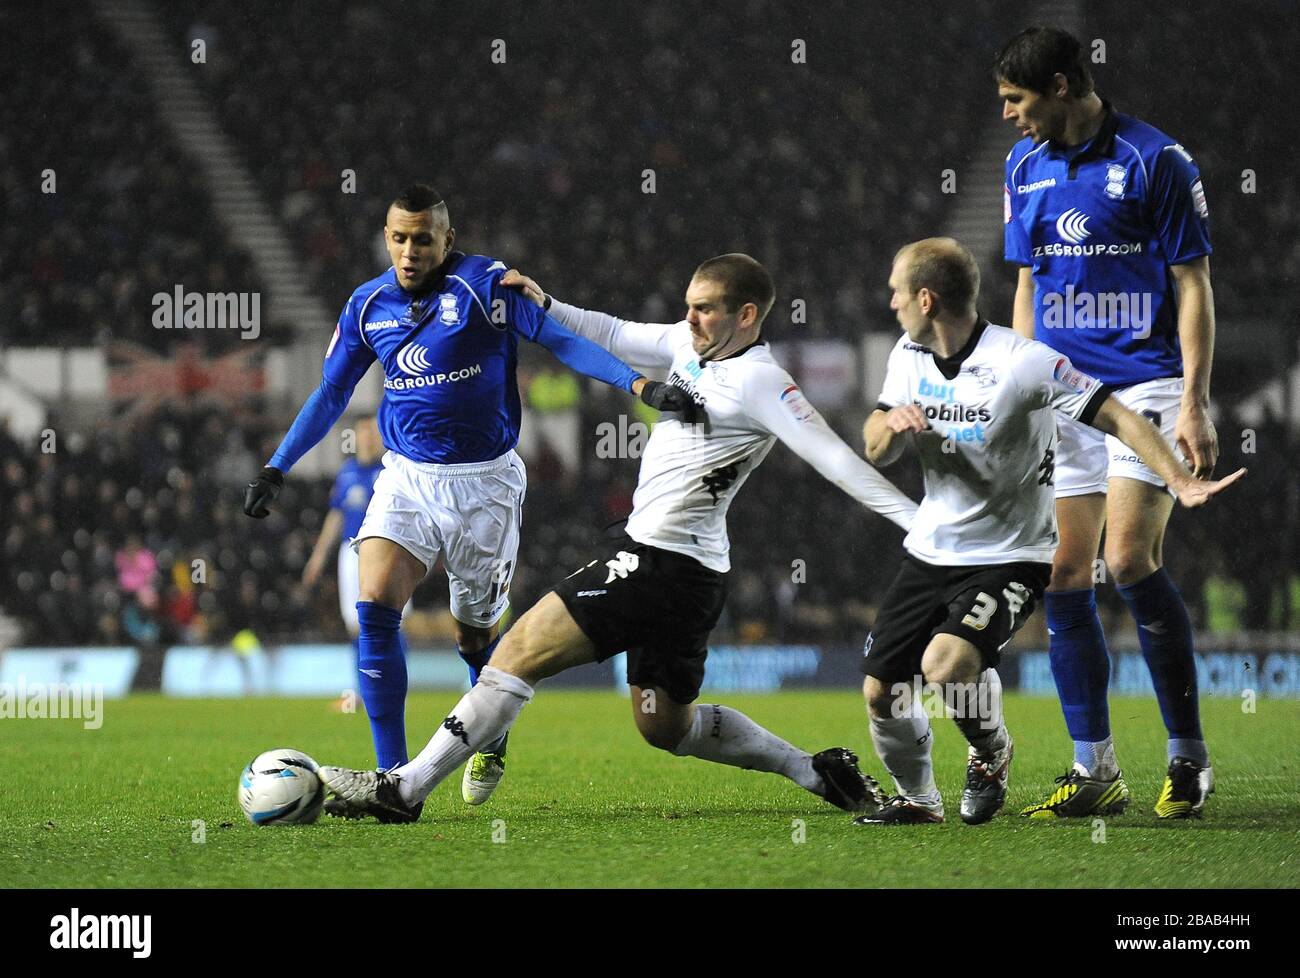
(445, 333)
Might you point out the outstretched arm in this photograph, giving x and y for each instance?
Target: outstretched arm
(646, 345)
(1141, 435)
(582, 355)
(323, 408)
(346, 361)
(775, 402)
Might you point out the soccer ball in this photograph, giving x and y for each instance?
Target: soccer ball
(281, 787)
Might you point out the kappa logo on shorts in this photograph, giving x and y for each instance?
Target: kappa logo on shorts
(622, 565)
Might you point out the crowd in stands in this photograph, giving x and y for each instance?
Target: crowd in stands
(134, 534)
(102, 210)
(820, 157)
(815, 138)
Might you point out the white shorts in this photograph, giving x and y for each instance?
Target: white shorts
(468, 514)
(1086, 459)
(350, 587)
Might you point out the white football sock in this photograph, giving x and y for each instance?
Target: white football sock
(483, 714)
(903, 744)
(1098, 759)
(981, 721)
(723, 735)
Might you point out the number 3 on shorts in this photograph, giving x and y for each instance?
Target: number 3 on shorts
(986, 605)
(978, 617)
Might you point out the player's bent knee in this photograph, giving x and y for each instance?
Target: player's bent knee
(1072, 571)
(666, 732)
(1071, 578)
(665, 738)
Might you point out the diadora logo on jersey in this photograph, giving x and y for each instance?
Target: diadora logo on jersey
(382, 324)
(623, 564)
(1115, 177)
(1029, 188)
(1073, 226)
(794, 401)
(356, 497)
(450, 313)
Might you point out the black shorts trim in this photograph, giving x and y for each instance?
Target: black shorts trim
(654, 604)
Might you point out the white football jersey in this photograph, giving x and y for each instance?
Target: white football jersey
(989, 455)
(690, 473)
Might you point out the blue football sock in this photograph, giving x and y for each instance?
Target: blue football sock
(476, 661)
(1165, 631)
(1081, 668)
(381, 669)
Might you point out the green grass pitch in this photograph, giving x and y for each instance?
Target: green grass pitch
(586, 803)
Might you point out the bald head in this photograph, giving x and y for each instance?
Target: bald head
(946, 268)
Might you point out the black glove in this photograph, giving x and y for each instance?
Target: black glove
(669, 397)
(262, 491)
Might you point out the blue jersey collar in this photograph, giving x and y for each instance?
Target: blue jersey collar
(1100, 146)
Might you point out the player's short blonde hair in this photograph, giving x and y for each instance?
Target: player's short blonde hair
(946, 267)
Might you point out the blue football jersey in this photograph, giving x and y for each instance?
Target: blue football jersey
(353, 487)
(448, 356)
(1100, 224)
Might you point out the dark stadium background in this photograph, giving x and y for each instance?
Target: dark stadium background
(819, 169)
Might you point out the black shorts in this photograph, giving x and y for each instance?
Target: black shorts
(984, 604)
(656, 605)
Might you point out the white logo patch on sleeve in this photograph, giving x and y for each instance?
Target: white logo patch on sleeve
(1198, 200)
(1006, 206)
(1067, 376)
(333, 341)
(794, 401)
